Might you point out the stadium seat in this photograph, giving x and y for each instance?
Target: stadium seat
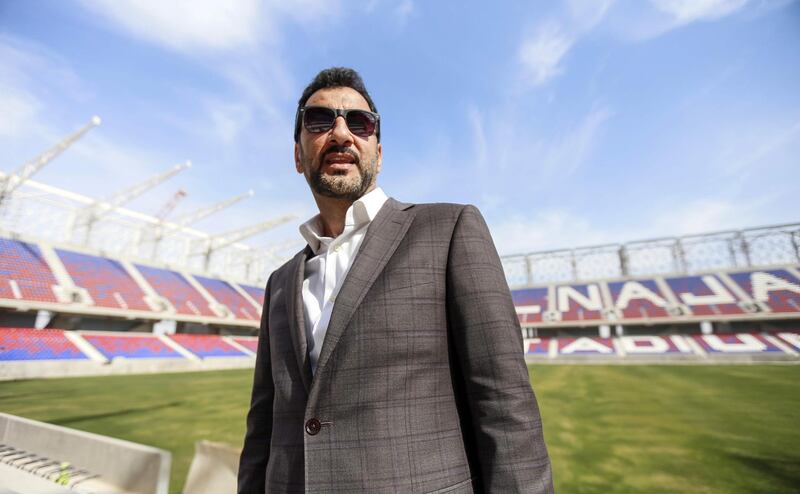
(175, 288)
(638, 299)
(37, 344)
(704, 295)
(24, 274)
(206, 345)
(105, 279)
(130, 346)
(778, 289)
(530, 303)
(579, 302)
(225, 294)
(735, 344)
(249, 343)
(255, 292)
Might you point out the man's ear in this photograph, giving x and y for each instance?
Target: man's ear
(380, 156)
(297, 165)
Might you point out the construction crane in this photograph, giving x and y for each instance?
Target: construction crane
(170, 205)
(191, 218)
(156, 233)
(88, 216)
(10, 182)
(217, 242)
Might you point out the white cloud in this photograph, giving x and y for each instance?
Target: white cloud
(229, 120)
(703, 215)
(564, 229)
(478, 135)
(19, 110)
(552, 156)
(542, 53)
(185, 25)
(208, 26)
(545, 230)
(767, 143)
(588, 13)
(29, 73)
(641, 21)
(563, 154)
(403, 11)
(686, 11)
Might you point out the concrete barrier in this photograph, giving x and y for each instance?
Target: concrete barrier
(214, 469)
(82, 461)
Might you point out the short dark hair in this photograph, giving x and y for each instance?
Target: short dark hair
(334, 77)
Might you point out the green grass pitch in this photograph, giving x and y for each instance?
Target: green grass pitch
(609, 429)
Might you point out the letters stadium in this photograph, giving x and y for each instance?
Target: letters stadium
(89, 287)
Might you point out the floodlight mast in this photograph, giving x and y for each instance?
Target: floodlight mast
(92, 213)
(217, 242)
(12, 181)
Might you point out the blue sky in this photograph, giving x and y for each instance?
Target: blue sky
(568, 123)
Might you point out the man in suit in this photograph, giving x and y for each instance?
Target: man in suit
(390, 355)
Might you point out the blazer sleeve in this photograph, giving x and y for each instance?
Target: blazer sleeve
(506, 427)
(255, 453)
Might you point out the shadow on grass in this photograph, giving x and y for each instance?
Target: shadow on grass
(785, 472)
(119, 413)
(18, 396)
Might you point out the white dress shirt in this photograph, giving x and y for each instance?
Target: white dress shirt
(325, 272)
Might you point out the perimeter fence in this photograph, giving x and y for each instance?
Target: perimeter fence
(689, 254)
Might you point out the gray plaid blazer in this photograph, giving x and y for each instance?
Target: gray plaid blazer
(421, 385)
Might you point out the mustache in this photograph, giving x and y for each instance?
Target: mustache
(343, 150)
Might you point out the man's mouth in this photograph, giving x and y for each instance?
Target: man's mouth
(339, 159)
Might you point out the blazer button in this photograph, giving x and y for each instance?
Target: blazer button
(313, 426)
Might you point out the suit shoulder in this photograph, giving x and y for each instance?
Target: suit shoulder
(281, 272)
(441, 209)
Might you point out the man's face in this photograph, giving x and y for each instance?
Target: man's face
(337, 163)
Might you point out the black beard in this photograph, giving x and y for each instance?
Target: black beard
(335, 186)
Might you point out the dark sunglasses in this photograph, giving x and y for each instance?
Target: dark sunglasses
(318, 119)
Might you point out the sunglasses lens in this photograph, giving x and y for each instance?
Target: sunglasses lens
(318, 119)
(361, 123)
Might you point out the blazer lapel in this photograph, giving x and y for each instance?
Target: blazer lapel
(383, 236)
(294, 306)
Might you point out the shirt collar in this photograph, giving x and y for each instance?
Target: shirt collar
(361, 212)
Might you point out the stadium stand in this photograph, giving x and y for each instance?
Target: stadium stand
(735, 343)
(255, 292)
(105, 279)
(130, 346)
(579, 302)
(37, 344)
(24, 274)
(225, 294)
(639, 299)
(531, 304)
(591, 345)
(249, 343)
(206, 345)
(778, 289)
(704, 295)
(537, 346)
(175, 288)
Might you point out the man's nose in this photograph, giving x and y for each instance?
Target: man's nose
(340, 133)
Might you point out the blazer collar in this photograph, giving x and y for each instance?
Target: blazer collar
(380, 242)
(296, 316)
